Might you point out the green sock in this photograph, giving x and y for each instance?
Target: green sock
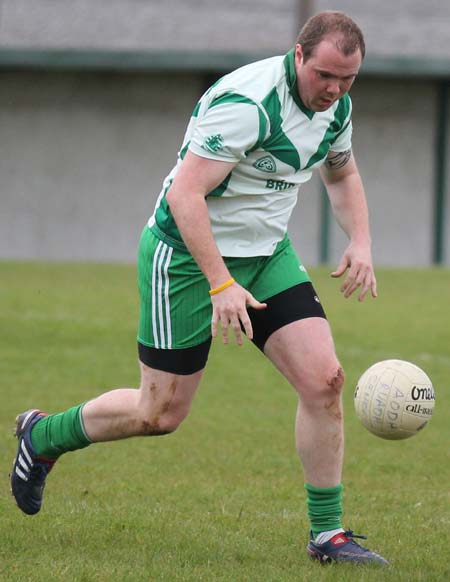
(58, 433)
(324, 508)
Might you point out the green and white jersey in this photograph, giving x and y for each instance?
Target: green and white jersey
(254, 116)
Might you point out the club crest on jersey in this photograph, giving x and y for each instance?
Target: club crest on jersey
(213, 143)
(265, 164)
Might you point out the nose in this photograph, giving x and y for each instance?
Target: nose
(333, 88)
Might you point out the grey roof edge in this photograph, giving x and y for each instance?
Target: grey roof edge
(194, 61)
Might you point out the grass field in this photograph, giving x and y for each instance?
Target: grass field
(222, 498)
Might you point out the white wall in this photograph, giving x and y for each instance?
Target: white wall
(403, 27)
(82, 158)
(394, 147)
(447, 199)
(412, 28)
(235, 25)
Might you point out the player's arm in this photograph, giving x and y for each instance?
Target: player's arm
(348, 200)
(196, 177)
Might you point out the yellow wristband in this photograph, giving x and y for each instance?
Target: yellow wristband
(221, 287)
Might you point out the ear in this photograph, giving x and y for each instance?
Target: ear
(298, 51)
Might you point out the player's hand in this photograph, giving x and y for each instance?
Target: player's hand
(357, 260)
(230, 310)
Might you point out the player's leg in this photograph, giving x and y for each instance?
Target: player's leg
(158, 407)
(294, 333)
(174, 341)
(304, 353)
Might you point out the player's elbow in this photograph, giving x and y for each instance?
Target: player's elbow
(172, 198)
(184, 201)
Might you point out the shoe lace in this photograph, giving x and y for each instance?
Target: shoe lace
(349, 533)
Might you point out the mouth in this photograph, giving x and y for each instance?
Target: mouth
(326, 101)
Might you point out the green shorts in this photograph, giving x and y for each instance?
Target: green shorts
(175, 306)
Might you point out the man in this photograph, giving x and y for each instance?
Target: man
(215, 254)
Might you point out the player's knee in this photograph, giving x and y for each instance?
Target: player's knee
(157, 427)
(161, 422)
(324, 385)
(335, 381)
(332, 386)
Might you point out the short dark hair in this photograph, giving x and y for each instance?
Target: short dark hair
(349, 35)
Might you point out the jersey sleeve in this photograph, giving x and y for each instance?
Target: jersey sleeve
(343, 140)
(231, 127)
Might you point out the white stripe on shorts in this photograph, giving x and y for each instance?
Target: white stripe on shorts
(160, 291)
(166, 297)
(160, 302)
(154, 326)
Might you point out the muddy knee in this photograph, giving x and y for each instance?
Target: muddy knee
(164, 401)
(154, 427)
(165, 420)
(335, 382)
(323, 386)
(333, 401)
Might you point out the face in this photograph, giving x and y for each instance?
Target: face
(326, 76)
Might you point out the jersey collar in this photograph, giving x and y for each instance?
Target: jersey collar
(291, 79)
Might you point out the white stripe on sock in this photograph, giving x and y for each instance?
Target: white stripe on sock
(327, 535)
(80, 417)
